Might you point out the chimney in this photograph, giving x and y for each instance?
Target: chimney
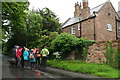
(77, 10)
(85, 10)
(119, 6)
(85, 3)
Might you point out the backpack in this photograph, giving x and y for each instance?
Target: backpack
(31, 56)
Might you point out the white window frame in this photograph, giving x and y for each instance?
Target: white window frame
(78, 26)
(109, 27)
(73, 31)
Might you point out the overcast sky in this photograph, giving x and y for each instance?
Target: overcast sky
(65, 8)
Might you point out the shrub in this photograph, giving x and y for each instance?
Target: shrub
(65, 43)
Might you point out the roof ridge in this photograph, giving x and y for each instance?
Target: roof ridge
(97, 6)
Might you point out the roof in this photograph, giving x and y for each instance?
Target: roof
(96, 9)
(74, 20)
(119, 13)
(71, 21)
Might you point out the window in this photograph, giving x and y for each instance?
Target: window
(73, 30)
(119, 28)
(109, 27)
(78, 26)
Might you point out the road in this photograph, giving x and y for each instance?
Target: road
(12, 72)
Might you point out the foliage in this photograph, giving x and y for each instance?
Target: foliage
(117, 58)
(87, 68)
(109, 52)
(33, 28)
(50, 21)
(46, 40)
(22, 27)
(13, 20)
(112, 55)
(85, 52)
(65, 43)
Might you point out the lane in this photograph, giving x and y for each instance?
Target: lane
(0, 64)
(12, 72)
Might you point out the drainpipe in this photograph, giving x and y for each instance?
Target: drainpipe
(80, 29)
(94, 27)
(116, 28)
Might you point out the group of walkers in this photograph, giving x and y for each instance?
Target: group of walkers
(31, 57)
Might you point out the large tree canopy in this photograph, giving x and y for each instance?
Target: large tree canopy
(27, 27)
(14, 22)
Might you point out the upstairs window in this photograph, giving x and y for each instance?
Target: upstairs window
(109, 27)
(79, 26)
(73, 30)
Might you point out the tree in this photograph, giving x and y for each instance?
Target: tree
(14, 22)
(41, 25)
(50, 21)
(33, 28)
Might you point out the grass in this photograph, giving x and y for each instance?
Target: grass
(102, 70)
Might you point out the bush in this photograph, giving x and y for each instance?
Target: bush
(65, 43)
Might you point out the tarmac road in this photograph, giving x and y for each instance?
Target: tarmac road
(13, 72)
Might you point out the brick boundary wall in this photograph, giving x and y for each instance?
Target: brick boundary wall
(96, 52)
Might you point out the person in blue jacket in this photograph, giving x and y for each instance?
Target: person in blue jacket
(26, 57)
(32, 59)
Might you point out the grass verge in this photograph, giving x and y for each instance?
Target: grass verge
(102, 70)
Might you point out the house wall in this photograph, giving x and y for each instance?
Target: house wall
(68, 29)
(87, 29)
(103, 18)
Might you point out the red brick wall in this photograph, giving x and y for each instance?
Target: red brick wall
(97, 51)
(102, 34)
(87, 29)
(68, 30)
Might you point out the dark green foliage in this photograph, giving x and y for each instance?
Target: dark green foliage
(50, 21)
(13, 20)
(65, 43)
(109, 52)
(112, 55)
(34, 28)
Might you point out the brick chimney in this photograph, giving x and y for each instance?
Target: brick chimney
(77, 9)
(119, 6)
(85, 3)
(85, 9)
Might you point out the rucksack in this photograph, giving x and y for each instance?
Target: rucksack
(31, 56)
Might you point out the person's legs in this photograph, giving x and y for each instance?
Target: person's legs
(38, 60)
(26, 63)
(44, 60)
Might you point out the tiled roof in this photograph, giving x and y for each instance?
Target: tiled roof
(73, 20)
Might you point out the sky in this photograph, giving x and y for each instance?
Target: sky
(64, 9)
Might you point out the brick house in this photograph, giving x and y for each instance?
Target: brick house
(100, 23)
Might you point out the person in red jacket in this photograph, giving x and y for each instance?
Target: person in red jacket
(18, 55)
